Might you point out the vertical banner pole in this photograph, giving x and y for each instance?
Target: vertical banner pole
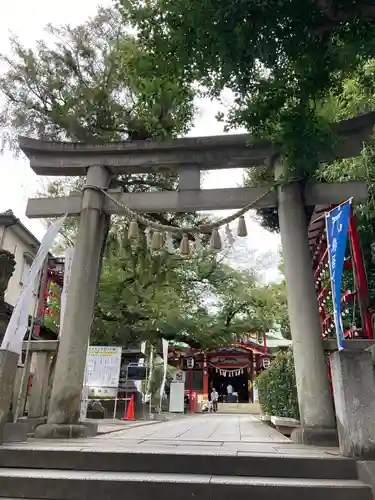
(165, 364)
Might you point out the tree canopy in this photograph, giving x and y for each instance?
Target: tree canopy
(91, 83)
(278, 57)
(358, 96)
(200, 301)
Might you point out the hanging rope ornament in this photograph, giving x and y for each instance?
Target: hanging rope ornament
(236, 372)
(148, 233)
(169, 243)
(198, 243)
(242, 229)
(133, 232)
(205, 228)
(229, 236)
(184, 245)
(215, 240)
(154, 230)
(157, 241)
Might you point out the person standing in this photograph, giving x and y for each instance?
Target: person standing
(214, 399)
(229, 393)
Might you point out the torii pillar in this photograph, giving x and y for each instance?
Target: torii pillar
(189, 157)
(314, 397)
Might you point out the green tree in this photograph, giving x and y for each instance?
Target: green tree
(357, 97)
(280, 310)
(281, 60)
(91, 83)
(199, 301)
(278, 58)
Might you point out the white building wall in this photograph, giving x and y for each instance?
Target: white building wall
(23, 254)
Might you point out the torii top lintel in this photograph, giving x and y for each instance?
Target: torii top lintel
(206, 153)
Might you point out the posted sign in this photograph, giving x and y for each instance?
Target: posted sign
(103, 366)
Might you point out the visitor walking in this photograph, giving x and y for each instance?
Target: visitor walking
(229, 393)
(214, 399)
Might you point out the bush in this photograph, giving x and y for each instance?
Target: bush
(277, 387)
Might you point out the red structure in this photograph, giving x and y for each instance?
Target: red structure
(53, 274)
(354, 295)
(238, 365)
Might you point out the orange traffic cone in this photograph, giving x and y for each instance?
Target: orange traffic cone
(130, 411)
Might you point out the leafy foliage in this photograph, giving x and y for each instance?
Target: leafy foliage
(199, 301)
(278, 292)
(277, 387)
(279, 58)
(94, 83)
(357, 97)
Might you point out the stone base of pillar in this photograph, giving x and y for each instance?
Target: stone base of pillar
(62, 431)
(8, 370)
(14, 432)
(315, 436)
(32, 423)
(354, 392)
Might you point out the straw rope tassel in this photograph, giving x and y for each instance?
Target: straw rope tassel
(157, 241)
(133, 232)
(241, 229)
(215, 241)
(184, 245)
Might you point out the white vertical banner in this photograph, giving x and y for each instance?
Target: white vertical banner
(141, 362)
(18, 322)
(255, 393)
(68, 261)
(165, 364)
(149, 378)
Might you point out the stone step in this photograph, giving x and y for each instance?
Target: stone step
(93, 485)
(159, 461)
(240, 408)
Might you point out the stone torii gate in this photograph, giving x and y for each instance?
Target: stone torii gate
(101, 163)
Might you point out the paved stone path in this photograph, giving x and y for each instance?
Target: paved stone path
(202, 434)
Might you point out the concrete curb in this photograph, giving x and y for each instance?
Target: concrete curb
(129, 426)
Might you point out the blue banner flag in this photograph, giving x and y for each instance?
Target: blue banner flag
(337, 225)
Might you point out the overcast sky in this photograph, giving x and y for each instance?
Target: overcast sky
(18, 182)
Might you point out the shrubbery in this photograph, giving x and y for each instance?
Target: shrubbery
(277, 387)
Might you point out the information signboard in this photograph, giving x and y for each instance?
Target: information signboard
(103, 366)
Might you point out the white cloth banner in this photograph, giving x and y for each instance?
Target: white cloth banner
(150, 371)
(69, 254)
(165, 363)
(141, 362)
(18, 322)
